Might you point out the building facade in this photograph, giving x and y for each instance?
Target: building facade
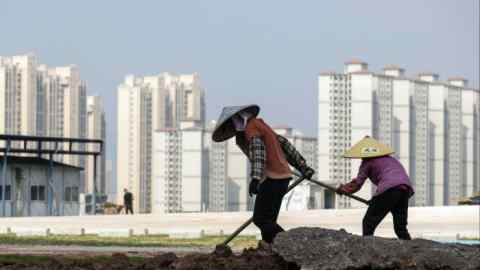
(96, 129)
(18, 96)
(228, 176)
(145, 105)
(180, 179)
(423, 119)
(27, 184)
(42, 101)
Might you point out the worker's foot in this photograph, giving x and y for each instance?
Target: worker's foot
(264, 246)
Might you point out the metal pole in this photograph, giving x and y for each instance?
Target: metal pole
(4, 177)
(49, 186)
(250, 220)
(335, 190)
(94, 199)
(50, 189)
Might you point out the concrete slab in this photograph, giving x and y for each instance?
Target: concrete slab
(439, 221)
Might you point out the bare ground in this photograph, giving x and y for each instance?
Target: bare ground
(301, 248)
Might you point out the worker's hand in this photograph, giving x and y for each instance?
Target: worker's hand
(307, 172)
(348, 188)
(253, 187)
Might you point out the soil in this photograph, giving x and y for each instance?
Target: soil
(301, 248)
(322, 249)
(248, 259)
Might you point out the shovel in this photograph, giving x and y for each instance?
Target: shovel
(334, 189)
(222, 249)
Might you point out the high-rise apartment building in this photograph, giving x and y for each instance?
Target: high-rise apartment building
(147, 104)
(62, 101)
(193, 174)
(42, 101)
(228, 176)
(95, 130)
(430, 124)
(18, 96)
(180, 179)
(74, 108)
(410, 129)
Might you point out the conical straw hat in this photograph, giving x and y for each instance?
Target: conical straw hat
(367, 148)
(225, 129)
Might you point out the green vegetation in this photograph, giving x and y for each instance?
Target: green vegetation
(133, 241)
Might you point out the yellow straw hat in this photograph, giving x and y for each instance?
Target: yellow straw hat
(368, 148)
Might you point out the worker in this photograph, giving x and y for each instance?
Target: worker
(393, 187)
(270, 155)
(128, 201)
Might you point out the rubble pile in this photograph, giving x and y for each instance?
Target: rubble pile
(317, 248)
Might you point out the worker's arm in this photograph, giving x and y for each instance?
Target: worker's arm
(294, 157)
(363, 173)
(258, 158)
(357, 183)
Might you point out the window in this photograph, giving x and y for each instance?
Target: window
(37, 193)
(71, 194)
(67, 194)
(34, 193)
(7, 192)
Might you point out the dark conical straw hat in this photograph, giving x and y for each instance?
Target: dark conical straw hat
(225, 129)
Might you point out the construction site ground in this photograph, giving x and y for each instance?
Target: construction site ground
(301, 248)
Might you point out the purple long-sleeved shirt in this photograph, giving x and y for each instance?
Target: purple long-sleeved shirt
(385, 172)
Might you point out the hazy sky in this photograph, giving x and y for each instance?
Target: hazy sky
(264, 52)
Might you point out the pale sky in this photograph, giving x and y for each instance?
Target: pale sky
(264, 52)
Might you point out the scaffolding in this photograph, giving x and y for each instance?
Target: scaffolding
(21, 144)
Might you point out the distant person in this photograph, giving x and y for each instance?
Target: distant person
(127, 201)
(393, 186)
(270, 158)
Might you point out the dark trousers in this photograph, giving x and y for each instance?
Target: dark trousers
(267, 207)
(128, 207)
(394, 200)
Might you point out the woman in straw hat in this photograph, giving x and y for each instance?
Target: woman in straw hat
(270, 155)
(393, 186)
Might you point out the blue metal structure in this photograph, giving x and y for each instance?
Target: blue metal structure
(42, 148)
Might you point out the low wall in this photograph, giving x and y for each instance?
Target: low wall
(448, 222)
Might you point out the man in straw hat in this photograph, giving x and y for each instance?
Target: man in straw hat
(393, 186)
(270, 155)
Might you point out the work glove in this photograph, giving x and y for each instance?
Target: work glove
(253, 187)
(307, 172)
(348, 188)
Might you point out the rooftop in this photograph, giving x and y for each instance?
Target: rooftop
(355, 62)
(35, 161)
(457, 78)
(427, 74)
(392, 67)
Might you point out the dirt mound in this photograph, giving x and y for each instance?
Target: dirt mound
(316, 248)
(248, 259)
